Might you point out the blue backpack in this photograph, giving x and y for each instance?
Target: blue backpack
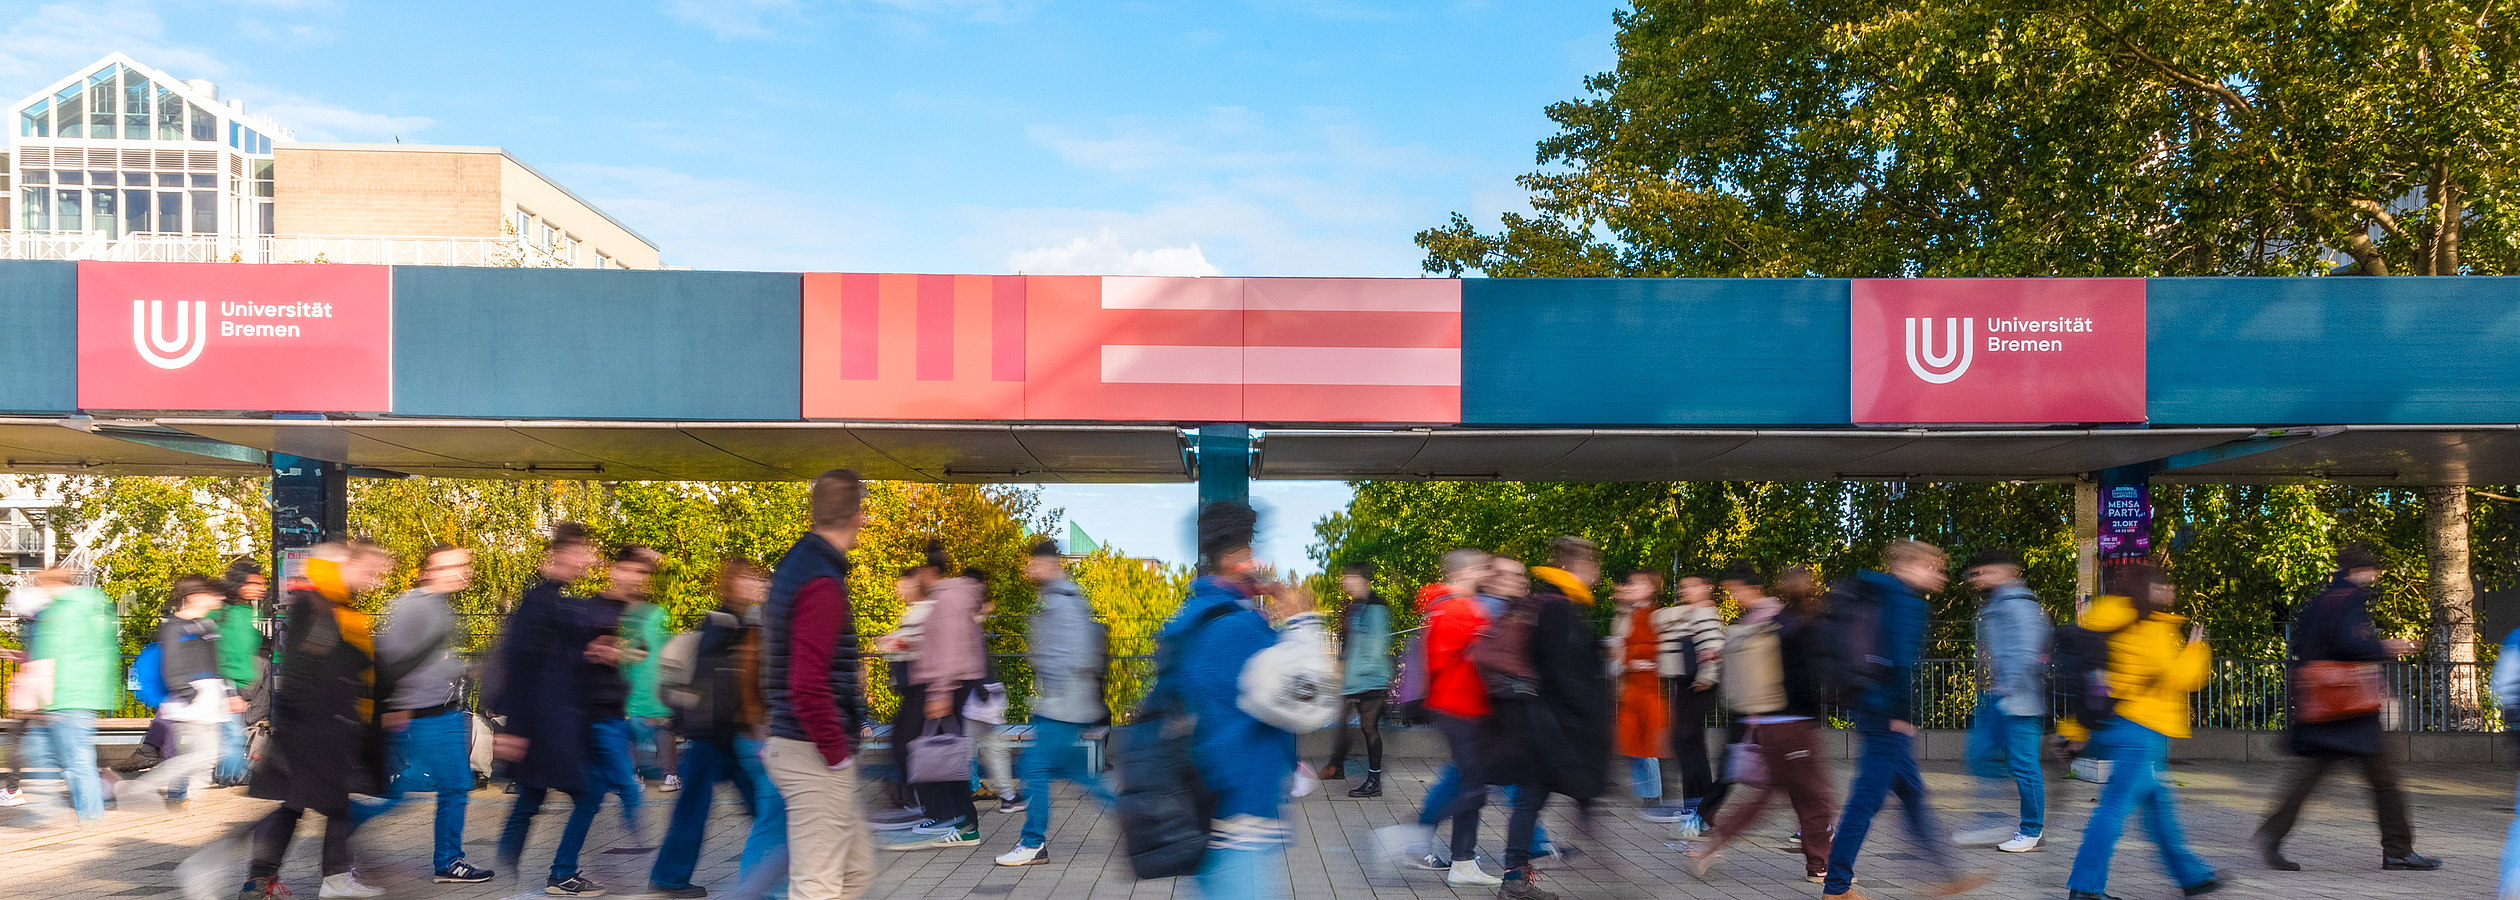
(147, 678)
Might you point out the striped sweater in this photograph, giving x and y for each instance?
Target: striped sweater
(1689, 626)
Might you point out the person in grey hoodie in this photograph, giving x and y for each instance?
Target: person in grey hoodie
(1067, 657)
(2012, 651)
(426, 726)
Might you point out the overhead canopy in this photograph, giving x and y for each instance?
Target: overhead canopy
(1723, 455)
(2359, 454)
(77, 447)
(719, 451)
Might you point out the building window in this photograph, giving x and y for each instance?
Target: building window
(36, 121)
(205, 127)
(136, 94)
(69, 112)
(170, 115)
(524, 225)
(101, 105)
(170, 207)
(104, 218)
(265, 216)
(136, 211)
(547, 238)
(68, 203)
(37, 203)
(205, 212)
(262, 178)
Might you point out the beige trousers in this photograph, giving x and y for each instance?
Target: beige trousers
(831, 853)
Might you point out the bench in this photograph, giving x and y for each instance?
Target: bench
(878, 737)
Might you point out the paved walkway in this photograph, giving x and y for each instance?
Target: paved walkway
(2460, 816)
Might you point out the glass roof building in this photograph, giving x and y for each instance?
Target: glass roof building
(123, 161)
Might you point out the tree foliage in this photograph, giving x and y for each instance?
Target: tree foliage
(1876, 138)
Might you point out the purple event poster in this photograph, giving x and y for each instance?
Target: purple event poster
(2125, 519)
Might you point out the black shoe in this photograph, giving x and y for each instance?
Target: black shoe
(2088, 895)
(1372, 786)
(657, 890)
(462, 873)
(2273, 856)
(1332, 772)
(2412, 862)
(1014, 804)
(2209, 886)
(574, 886)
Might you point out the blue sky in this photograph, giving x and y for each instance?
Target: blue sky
(1268, 137)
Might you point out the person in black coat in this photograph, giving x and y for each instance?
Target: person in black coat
(1558, 742)
(551, 642)
(2336, 626)
(325, 740)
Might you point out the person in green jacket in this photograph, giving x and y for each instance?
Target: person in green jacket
(240, 651)
(75, 642)
(1365, 645)
(651, 723)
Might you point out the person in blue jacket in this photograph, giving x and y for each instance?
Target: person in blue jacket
(1252, 687)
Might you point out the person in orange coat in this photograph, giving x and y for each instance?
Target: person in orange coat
(1644, 725)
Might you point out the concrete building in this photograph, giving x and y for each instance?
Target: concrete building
(121, 161)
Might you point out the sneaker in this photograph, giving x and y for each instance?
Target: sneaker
(1025, 856)
(1983, 837)
(12, 798)
(1662, 814)
(933, 826)
(462, 873)
(347, 884)
(262, 889)
(1432, 862)
(896, 819)
(966, 836)
(1466, 873)
(1526, 886)
(1690, 826)
(574, 886)
(1014, 804)
(686, 891)
(2023, 843)
(672, 783)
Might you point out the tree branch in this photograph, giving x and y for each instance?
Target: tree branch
(2230, 99)
(2379, 214)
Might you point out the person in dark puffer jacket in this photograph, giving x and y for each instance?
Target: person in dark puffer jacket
(810, 691)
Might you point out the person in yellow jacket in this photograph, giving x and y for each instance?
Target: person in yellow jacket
(2152, 668)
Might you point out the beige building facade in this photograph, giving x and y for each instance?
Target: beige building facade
(418, 190)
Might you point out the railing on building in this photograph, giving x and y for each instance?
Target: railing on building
(513, 252)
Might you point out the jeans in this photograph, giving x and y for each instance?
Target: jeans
(192, 751)
(1522, 829)
(1440, 794)
(68, 739)
(564, 858)
(2511, 857)
(2135, 781)
(233, 768)
(2001, 745)
(1888, 766)
(1645, 777)
(1468, 742)
(609, 769)
(1243, 874)
(1055, 754)
(704, 764)
(430, 755)
(273, 833)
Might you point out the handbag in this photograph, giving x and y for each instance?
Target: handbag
(936, 756)
(2329, 691)
(1748, 764)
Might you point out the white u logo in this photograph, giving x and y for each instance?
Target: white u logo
(1959, 332)
(148, 332)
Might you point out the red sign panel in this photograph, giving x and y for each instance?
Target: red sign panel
(1997, 350)
(1086, 348)
(229, 336)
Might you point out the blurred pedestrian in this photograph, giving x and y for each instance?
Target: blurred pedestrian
(609, 682)
(240, 660)
(325, 743)
(719, 709)
(552, 652)
(428, 731)
(946, 665)
(1068, 665)
(2507, 690)
(1459, 700)
(73, 672)
(1774, 687)
(1692, 646)
(1645, 732)
(2151, 672)
(2335, 629)
(2013, 633)
(1365, 680)
(198, 699)
(652, 738)
(1556, 740)
(1885, 613)
(810, 691)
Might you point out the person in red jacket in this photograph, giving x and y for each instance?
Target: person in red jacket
(1459, 700)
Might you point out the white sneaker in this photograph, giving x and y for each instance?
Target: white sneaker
(1691, 827)
(1982, 837)
(1025, 856)
(2023, 843)
(672, 783)
(347, 884)
(12, 798)
(1466, 873)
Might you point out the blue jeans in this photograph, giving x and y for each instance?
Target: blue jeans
(1440, 795)
(609, 769)
(432, 755)
(2511, 858)
(2135, 754)
(564, 858)
(1645, 777)
(1887, 766)
(67, 739)
(2001, 745)
(703, 765)
(1249, 874)
(233, 768)
(1055, 754)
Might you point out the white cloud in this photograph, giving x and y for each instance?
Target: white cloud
(1104, 254)
(56, 40)
(315, 120)
(735, 223)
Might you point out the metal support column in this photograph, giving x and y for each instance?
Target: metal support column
(1224, 463)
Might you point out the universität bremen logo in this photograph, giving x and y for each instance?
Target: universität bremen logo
(228, 336)
(2034, 350)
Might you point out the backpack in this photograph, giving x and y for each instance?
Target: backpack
(147, 678)
(1851, 660)
(676, 665)
(1502, 652)
(1164, 806)
(704, 688)
(2080, 665)
(1754, 669)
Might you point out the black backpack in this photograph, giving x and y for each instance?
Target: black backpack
(1851, 660)
(2080, 666)
(1164, 806)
